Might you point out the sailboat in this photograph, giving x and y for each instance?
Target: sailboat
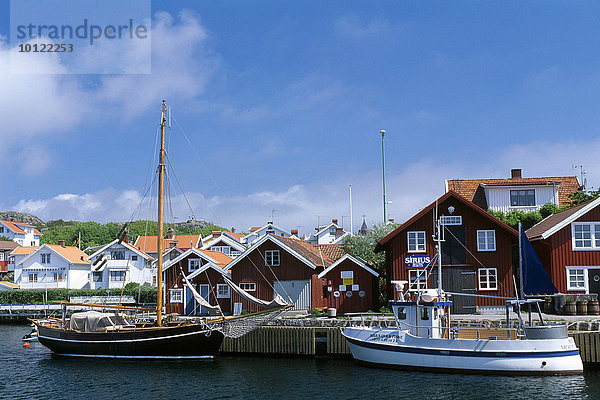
(423, 339)
(111, 335)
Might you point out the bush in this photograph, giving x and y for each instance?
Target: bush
(144, 294)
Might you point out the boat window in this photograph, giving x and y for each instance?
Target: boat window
(401, 312)
(424, 313)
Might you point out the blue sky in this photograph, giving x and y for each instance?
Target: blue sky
(283, 101)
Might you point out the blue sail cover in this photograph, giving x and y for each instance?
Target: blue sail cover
(535, 279)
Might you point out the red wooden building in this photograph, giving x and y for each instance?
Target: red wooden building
(205, 270)
(298, 271)
(350, 285)
(568, 245)
(477, 254)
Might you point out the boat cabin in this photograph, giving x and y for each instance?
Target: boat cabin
(423, 319)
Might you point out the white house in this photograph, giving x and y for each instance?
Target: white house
(24, 234)
(516, 192)
(51, 267)
(258, 232)
(226, 242)
(119, 263)
(328, 234)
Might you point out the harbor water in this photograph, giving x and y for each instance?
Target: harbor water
(34, 373)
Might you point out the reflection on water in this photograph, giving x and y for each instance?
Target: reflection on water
(35, 373)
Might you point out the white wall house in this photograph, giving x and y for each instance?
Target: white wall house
(24, 234)
(328, 234)
(258, 232)
(225, 242)
(520, 197)
(52, 267)
(116, 264)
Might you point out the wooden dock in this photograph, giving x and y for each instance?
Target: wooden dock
(292, 341)
(588, 344)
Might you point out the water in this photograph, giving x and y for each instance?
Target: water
(35, 373)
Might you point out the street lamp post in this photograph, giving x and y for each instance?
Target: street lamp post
(383, 170)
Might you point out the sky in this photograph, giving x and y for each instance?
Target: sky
(277, 107)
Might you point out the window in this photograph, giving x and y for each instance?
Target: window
(117, 276)
(194, 264)
(176, 296)
(222, 249)
(117, 255)
(223, 291)
(486, 240)
(248, 286)
(33, 277)
(134, 258)
(451, 220)
(417, 279)
(522, 198)
(488, 279)
(97, 276)
(586, 236)
(272, 258)
(576, 279)
(1, 229)
(59, 277)
(332, 231)
(416, 241)
(234, 253)
(1, 256)
(45, 258)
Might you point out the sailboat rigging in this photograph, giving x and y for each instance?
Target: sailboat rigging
(110, 335)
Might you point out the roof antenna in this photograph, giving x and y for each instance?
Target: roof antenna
(582, 173)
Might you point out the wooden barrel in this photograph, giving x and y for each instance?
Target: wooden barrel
(548, 307)
(593, 307)
(582, 308)
(569, 308)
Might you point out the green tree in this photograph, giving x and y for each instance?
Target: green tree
(582, 196)
(4, 239)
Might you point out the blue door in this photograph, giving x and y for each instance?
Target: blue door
(189, 301)
(204, 291)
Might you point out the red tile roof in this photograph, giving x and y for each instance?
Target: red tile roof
(17, 227)
(473, 189)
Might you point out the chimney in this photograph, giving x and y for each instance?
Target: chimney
(515, 173)
(233, 230)
(62, 243)
(216, 233)
(335, 221)
(294, 232)
(170, 233)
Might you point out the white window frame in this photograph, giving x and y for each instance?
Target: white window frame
(45, 258)
(485, 276)
(176, 296)
(526, 197)
(451, 220)
(413, 274)
(223, 291)
(420, 241)
(222, 249)
(58, 276)
(113, 274)
(234, 253)
(32, 275)
(192, 264)
(486, 234)
(594, 236)
(99, 274)
(134, 257)
(270, 260)
(248, 286)
(579, 273)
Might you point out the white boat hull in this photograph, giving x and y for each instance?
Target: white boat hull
(389, 347)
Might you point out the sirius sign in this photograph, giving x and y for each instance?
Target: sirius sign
(417, 260)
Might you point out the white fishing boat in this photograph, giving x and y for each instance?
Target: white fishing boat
(424, 339)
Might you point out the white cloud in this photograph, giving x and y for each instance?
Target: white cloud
(357, 28)
(409, 189)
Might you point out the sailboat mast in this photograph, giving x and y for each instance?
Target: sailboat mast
(161, 189)
(520, 264)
